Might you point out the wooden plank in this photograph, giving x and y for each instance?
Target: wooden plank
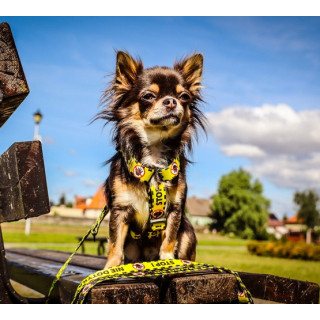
(38, 274)
(13, 85)
(23, 186)
(32, 267)
(209, 288)
(279, 289)
(7, 293)
(145, 293)
(81, 260)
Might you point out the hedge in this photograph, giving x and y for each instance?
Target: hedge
(290, 250)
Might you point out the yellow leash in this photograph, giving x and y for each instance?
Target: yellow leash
(94, 231)
(154, 269)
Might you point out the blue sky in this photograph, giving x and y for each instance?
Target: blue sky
(262, 93)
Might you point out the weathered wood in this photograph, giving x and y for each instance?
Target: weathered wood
(80, 260)
(13, 85)
(145, 293)
(7, 293)
(37, 268)
(279, 289)
(209, 288)
(23, 186)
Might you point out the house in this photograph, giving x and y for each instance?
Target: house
(93, 206)
(296, 229)
(198, 210)
(276, 227)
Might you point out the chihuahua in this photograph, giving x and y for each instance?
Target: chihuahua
(156, 116)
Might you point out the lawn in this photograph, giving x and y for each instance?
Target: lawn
(214, 249)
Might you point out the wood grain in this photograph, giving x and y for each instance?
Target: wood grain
(13, 84)
(23, 186)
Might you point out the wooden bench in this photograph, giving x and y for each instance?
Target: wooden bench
(23, 194)
(101, 241)
(37, 269)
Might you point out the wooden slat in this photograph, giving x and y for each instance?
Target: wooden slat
(279, 289)
(23, 186)
(38, 274)
(13, 85)
(209, 288)
(81, 260)
(32, 267)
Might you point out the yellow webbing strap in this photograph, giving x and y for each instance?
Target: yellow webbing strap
(157, 207)
(152, 269)
(94, 231)
(139, 171)
(171, 171)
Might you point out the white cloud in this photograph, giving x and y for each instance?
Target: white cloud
(282, 144)
(70, 173)
(92, 183)
(244, 150)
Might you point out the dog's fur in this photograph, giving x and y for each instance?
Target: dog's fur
(155, 115)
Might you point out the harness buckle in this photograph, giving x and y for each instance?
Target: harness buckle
(158, 224)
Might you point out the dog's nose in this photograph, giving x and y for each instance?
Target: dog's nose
(170, 103)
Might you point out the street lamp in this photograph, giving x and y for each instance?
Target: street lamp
(37, 117)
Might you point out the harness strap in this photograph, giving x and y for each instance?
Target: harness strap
(157, 195)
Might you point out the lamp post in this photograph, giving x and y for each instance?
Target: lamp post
(37, 117)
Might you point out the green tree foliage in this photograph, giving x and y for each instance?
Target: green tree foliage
(62, 200)
(308, 212)
(240, 207)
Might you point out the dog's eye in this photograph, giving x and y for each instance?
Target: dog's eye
(149, 96)
(184, 97)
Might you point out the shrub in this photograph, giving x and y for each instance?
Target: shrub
(291, 250)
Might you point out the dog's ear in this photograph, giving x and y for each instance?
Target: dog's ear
(191, 69)
(127, 70)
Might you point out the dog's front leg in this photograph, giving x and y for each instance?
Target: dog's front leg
(169, 242)
(118, 229)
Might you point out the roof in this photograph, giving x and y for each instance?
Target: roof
(98, 200)
(198, 206)
(294, 220)
(80, 203)
(273, 221)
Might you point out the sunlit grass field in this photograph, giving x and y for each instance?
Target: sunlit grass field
(214, 249)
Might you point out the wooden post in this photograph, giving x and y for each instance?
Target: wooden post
(23, 182)
(13, 85)
(23, 187)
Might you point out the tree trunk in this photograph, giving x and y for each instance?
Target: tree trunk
(308, 236)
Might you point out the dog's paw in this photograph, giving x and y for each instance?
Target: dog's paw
(166, 255)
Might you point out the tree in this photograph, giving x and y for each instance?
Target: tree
(308, 211)
(62, 200)
(239, 206)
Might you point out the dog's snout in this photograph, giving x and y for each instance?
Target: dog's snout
(170, 103)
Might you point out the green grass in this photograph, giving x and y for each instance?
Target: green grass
(214, 249)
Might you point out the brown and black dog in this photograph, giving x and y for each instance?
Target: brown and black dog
(155, 114)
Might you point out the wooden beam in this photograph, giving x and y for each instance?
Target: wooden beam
(206, 288)
(23, 186)
(13, 84)
(279, 289)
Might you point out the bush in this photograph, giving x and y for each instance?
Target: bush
(281, 249)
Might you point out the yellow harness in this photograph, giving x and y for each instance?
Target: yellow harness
(157, 195)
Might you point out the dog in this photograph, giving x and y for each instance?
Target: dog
(156, 115)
